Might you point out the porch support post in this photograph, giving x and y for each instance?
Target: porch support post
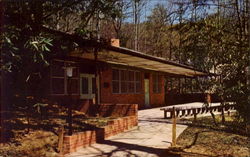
(173, 128)
(96, 75)
(185, 80)
(179, 81)
(70, 108)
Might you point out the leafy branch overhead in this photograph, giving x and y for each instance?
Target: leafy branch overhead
(25, 40)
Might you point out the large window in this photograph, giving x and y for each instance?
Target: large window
(157, 83)
(59, 83)
(126, 81)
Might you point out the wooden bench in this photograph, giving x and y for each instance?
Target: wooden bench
(166, 110)
(193, 111)
(179, 110)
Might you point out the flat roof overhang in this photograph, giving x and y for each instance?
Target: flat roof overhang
(128, 57)
(124, 56)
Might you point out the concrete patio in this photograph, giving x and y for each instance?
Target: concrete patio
(152, 136)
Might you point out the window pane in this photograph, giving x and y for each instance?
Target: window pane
(57, 86)
(75, 72)
(93, 85)
(115, 74)
(74, 84)
(168, 84)
(155, 83)
(155, 88)
(137, 76)
(85, 85)
(124, 75)
(138, 87)
(124, 86)
(131, 75)
(159, 84)
(57, 69)
(155, 78)
(115, 86)
(131, 87)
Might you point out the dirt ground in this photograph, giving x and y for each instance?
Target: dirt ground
(205, 139)
(33, 134)
(200, 139)
(36, 143)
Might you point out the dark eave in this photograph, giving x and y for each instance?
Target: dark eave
(130, 57)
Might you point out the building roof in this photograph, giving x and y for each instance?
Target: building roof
(124, 56)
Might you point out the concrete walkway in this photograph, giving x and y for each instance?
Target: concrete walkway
(152, 136)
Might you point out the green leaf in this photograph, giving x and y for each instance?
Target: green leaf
(41, 55)
(27, 79)
(46, 63)
(46, 48)
(36, 47)
(15, 48)
(34, 42)
(35, 58)
(48, 42)
(8, 40)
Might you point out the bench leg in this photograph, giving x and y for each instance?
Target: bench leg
(165, 114)
(195, 117)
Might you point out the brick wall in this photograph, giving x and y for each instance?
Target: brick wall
(106, 95)
(86, 138)
(114, 110)
(157, 99)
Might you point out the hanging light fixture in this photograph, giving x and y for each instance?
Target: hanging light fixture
(69, 70)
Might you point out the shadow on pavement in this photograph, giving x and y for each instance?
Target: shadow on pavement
(128, 148)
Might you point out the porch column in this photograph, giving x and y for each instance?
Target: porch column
(96, 76)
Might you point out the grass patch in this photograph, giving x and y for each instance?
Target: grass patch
(36, 143)
(203, 138)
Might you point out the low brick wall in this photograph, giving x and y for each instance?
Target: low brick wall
(116, 110)
(86, 138)
(110, 110)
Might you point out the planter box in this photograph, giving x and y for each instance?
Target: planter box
(86, 138)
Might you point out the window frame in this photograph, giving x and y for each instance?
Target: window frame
(90, 94)
(64, 77)
(127, 81)
(157, 83)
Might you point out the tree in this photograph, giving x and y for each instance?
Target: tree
(28, 43)
(156, 34)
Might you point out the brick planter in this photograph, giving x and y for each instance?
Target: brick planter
(86, 138)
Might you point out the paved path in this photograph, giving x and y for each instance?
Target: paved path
(149, 139)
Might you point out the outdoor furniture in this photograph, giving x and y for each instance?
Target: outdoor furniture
(183, 113)
(193, 111)
(166, 111)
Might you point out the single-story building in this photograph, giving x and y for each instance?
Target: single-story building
(110, 74)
